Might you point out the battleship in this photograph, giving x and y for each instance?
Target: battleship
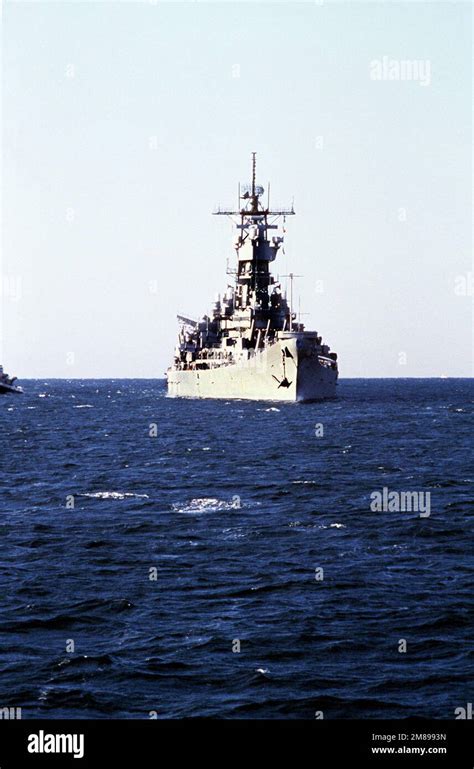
(7, 384)
(252, 345)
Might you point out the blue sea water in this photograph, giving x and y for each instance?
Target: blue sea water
(233, 506)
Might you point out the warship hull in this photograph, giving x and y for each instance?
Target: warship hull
(5, 389)
(288, 370)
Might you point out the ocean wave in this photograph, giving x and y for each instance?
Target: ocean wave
(167, 644)
(112, 495)
(204, 505)
(81, 661)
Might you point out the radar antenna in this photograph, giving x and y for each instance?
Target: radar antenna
(254, 171)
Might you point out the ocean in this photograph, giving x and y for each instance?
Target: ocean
(178, 558)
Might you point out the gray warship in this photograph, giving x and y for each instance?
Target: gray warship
(252, 345)
(7, 384)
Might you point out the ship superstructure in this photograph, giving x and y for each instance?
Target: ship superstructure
(251, 345)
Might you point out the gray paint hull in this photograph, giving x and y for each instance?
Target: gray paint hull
(258, 377)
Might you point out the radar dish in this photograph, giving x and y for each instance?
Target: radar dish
(246, 190)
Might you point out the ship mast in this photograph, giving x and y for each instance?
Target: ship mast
(254, 171)
(255, 245)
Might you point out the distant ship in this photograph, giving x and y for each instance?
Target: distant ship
(7, 384)
(251, 345)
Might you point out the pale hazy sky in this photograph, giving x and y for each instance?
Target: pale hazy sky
(125, 123)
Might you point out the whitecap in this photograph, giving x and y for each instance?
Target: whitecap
(202, 505)
(113, 495)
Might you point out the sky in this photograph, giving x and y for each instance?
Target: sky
(124, 124)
